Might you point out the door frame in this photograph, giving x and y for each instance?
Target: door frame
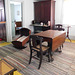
(8, 19)
(12, 3)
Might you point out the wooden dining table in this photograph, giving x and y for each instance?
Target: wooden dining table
(54, 37)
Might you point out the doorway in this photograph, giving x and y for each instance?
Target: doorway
(16, 17)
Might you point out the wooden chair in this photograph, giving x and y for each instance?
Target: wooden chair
(60, 28)
(39, 48)
(23, 39)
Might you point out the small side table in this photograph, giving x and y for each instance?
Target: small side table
(5, 68)
(68, 33)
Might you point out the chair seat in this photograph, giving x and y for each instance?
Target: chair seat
(44, 48)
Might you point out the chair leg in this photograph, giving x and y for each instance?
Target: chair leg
(48, 56)
(60, 50)
(38, 54)
(51, 56)
(62, 45)
(57, 50)
(41, 55)
(30, 57)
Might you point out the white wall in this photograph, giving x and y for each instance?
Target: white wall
(8, 21)
(58, 11)
(59, 18)
(28, 15)
(17, 13)
(72, 32)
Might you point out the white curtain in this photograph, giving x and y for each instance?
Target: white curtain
(69, 12)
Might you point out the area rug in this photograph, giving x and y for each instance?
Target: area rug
(63, 64)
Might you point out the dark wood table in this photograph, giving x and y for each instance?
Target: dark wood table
(54, 37)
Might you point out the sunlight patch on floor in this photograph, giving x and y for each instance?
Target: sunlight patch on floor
(17, 73)
(72, 41)
(4, 44)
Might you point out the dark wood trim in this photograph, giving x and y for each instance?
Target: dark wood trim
(2, 20)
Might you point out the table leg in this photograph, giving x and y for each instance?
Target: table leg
(51, 56)
(50, 45)
(68, 33)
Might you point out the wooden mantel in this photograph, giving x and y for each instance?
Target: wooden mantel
(2, 22)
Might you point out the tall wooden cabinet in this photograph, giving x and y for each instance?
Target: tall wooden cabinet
(44, 11)
(2, 20)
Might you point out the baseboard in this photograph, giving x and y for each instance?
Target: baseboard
(72, 37)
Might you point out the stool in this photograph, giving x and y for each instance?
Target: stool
(5, 68)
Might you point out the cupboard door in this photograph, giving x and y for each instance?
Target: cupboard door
(47, 11)
(37, 11)
(42, 11)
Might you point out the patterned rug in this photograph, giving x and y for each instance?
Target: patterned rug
(63, 64)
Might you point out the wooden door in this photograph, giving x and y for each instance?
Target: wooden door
(12, 20)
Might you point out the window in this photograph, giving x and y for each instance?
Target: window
(69, 12)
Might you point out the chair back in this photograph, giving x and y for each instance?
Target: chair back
(59, 27)
(24, 31)
(34, 41)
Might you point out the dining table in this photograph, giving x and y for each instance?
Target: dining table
(54, 38)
